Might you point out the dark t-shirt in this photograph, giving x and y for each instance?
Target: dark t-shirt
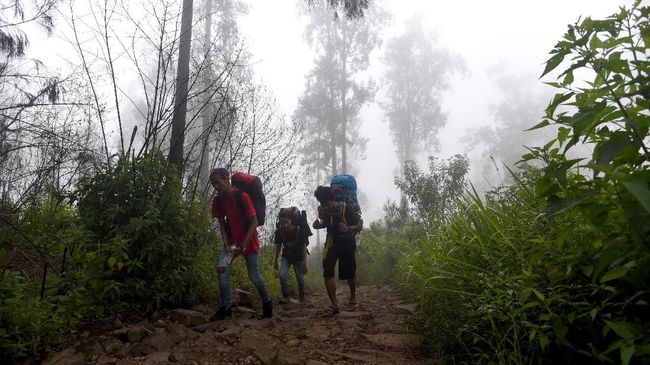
(344, 210)
(228, 208)
(293, 243)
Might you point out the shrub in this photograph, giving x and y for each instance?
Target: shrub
(144, 238)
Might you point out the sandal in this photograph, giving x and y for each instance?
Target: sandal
(332, 311)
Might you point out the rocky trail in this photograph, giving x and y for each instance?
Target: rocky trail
(376, 331)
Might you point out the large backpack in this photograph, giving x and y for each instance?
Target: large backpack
(252, 185)
(344, 188)
(298, 218)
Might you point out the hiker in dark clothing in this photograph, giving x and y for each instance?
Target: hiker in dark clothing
(238, 226)
(292, 238)
(343, 222)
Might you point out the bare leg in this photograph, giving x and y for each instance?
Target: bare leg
(352, 283)
(330, 285)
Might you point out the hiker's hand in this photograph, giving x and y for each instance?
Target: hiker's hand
(344, 227)
(304, 267)
(316, 224)
(275, 264)
(236, 251)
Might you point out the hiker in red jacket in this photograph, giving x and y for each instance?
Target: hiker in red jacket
(235, 212)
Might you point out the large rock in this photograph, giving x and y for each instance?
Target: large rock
(135, 333)
(159, 341)
(66, 357)
(141, 349)
(260, 344)
(157, 358)
(113, 346)
(188, 318)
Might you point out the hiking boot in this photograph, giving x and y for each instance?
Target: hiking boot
(284, 300)
(267, 309)
(221, 314)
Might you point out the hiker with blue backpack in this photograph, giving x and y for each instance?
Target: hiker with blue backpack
(292, 238)
(339, 212)
(238, 214)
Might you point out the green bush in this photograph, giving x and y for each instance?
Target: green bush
(555, 269)
(29, 325)
(40, 299)
(144, 238)
(380, 250)
(504, 283)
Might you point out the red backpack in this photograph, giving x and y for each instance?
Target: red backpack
(252, 185)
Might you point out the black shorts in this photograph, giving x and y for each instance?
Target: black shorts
(343, 250)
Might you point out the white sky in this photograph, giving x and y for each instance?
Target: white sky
(516, 33)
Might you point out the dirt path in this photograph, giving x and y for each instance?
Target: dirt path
(377, 331)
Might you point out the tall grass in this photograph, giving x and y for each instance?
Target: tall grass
(501, 282)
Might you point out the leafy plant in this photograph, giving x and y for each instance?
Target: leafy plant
(611, 188)
(434, 194)
(144, 238)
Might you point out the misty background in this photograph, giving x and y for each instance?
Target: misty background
(492, 89)
(503, 45)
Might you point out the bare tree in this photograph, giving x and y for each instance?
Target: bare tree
(182, 79)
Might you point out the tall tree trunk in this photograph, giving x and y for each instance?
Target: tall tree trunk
(204, 168)
(180, 97)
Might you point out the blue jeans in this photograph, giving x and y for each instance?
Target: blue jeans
(284, 276)
(254, 275)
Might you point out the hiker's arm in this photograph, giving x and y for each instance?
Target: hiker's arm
(356, 228)
(318, 224)
(304, 260)
(252, 227)
(277, 254)
(224, 235)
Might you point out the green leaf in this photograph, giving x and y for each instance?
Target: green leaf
(554, 61)
(111, 262)
(562, 134)
(595, 42)
(541, 124)
(545, 186)
(606, 152)
(524, 294)
(614, 42)
(627, 350)
(560, 330)
(622, 329)
(615, 64)
(606, 257)
(557, 205)
(539, 295)
(645, 34)
(638, 187)
(615, 273)
(593, 313)
(568, 79)
(557, 100)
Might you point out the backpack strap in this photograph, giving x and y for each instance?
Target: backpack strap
(242, 207)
